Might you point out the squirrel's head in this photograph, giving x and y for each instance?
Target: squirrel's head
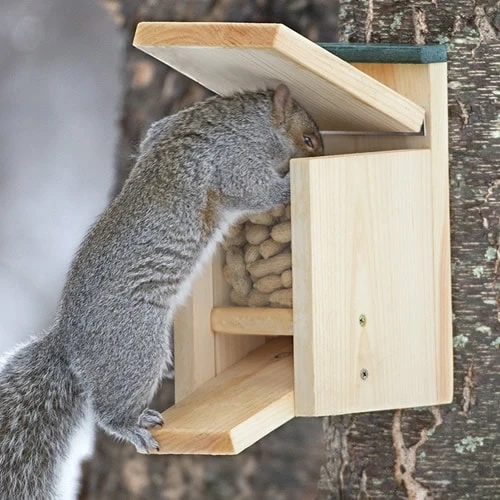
(298, 126)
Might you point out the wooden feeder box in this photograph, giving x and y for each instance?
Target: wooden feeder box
(370, 327)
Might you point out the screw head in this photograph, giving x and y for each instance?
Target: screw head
(362, 320)
(364, 374)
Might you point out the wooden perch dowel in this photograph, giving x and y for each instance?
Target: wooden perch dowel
(236, 408)
(252, 321)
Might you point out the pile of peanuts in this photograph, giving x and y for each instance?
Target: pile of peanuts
(259, 260)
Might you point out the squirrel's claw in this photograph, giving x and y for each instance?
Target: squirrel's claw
(143, 441)
(149, 418)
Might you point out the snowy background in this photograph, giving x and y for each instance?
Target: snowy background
(59, 102)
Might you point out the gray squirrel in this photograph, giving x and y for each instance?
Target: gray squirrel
(196, 173)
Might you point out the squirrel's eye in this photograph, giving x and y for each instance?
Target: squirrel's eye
(308, 141)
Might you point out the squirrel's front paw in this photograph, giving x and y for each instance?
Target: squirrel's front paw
(149, 418)
(282, 193)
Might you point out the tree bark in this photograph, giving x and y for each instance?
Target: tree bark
(451, 451)
(286, 464)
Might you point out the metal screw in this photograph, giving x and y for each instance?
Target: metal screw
(362, 320)
(364, 374)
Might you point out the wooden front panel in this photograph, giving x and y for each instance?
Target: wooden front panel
(426, 85)
(363, 245)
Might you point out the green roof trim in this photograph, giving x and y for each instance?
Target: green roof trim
(387, 53)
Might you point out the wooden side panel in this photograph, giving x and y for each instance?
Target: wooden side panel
(438, 138)
(228, 348)
(231, 348)
(193, 338)
(236, 408)
(363, 248)
(229, 57)
(201, 353)
(425, 84)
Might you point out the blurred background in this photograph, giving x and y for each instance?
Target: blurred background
(59, 99)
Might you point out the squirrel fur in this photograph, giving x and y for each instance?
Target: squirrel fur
(196, 173)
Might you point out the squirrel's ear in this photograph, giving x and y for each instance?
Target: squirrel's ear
(282, 104)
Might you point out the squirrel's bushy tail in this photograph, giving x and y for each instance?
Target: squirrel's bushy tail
(41, 402)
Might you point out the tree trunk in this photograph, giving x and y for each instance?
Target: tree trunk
(286, 464)
(451, 451)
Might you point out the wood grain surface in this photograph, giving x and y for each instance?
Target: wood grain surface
(229, 57)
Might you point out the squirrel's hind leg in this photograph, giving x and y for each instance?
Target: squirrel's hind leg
(129, 424)
(138, 434)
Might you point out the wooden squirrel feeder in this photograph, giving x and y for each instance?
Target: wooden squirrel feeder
(370, 327)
